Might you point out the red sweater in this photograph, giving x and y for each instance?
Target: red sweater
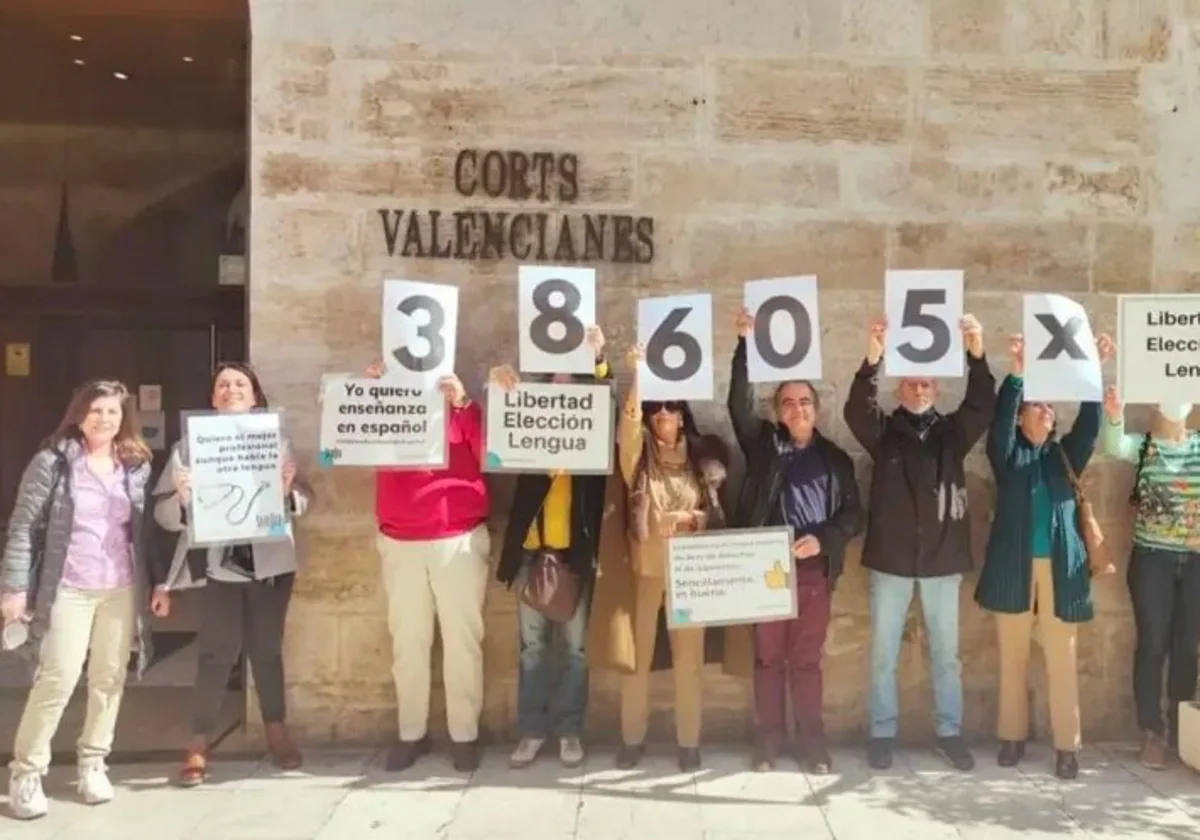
(435, 504)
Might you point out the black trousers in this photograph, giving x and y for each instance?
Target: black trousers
(235, 617)
(1165, 588)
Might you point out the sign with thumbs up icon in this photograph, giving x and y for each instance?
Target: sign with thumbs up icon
(738, 576)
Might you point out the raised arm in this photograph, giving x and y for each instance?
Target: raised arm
(747, 425)
(974, 414)
(33, 496)
(1113, 441)
(1002, 436)
(630, 431)
(466, 417)
(1080, 442)
(861, 412)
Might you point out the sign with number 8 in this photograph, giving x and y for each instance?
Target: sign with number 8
(555, 306)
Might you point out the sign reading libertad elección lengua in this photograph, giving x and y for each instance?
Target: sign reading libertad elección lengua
(548, 179)
(545, 427)
(1159, 341)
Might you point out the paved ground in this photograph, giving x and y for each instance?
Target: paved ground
(346, 795)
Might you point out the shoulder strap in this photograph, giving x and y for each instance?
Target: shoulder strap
(1071, 474)
(1135, 495)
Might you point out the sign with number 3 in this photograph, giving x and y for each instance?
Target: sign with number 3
(555, 306)
(678, 339)
(420, 326)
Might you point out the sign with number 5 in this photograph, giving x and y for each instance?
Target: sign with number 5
(555, 306)
(420, 328)
(923, 311)
(678, 339)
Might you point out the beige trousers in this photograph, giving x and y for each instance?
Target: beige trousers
(687, 661)
(448, 579)
(96, 625)
(1059, 649)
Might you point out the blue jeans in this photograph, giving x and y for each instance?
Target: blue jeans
(549, 697)
(890, 597)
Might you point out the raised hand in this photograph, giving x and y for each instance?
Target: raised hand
(1113, 407)
(1105, 348)
(375, 370)
(503, 376)
(595, 340)
(875, 339)
(452, 388)
(744, 322)
(1016, 353)
(972, 332)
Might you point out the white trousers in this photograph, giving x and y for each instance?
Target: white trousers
(448, 579)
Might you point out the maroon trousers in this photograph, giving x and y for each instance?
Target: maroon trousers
(789, 652)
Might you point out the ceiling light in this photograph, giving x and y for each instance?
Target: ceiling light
(120, 75)
(77, 38)
(187, 59)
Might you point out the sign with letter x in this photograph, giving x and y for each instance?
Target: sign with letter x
(1061, 360)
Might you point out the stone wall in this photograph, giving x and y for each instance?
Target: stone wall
(1037, 145)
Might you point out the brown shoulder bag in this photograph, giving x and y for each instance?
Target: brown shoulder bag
(1099, 562)
(551, 587)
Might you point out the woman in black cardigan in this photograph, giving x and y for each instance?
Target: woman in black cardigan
(562, 513)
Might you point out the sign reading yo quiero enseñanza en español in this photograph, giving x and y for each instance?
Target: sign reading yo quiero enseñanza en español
(378, 423)
(546, 427)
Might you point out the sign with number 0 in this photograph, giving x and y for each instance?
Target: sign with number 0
(786, 342)
(555, 306)
(678, 339)
(420, 330)
(923, 311)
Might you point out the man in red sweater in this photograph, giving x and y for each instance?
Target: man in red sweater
(434, 548)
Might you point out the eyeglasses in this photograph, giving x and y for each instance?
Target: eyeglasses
(670, 406)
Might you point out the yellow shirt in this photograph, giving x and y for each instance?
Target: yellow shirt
(556, 509)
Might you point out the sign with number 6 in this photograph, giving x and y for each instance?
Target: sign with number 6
(420, 328)
(678, 338)
(555, 306)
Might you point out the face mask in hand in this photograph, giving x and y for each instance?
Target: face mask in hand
(1175, 412)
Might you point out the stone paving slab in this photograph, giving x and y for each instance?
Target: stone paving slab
(346, 795)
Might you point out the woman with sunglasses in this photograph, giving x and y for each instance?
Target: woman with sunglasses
(247, 588)
(673, 476)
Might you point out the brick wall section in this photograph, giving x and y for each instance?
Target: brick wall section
(1034, 144)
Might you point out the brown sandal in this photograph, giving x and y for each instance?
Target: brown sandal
(194, 770)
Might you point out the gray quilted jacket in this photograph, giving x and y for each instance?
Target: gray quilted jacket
(45, 491)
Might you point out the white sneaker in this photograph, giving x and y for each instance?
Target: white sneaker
(26, 798)
(526, 752)
(94, 786)
(570, 751)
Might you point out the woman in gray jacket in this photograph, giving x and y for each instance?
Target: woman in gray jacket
(247, 588)
(75, 585)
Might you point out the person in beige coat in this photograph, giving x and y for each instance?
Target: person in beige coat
(671, 481)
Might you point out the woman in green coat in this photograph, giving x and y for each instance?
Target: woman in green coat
(1036, 563)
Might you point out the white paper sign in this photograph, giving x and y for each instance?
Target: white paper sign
(149, 398)
(420, 331)
(786, 342)
(1158, 348)
(1062, 363)
(730, 577)
(237, 477)
(543, 427)
(678, 336)
(555, 306)
(923, 310)
(378, 423)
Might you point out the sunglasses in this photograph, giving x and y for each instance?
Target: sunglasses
(670, 406)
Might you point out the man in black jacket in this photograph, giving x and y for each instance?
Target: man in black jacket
(918, 534)
(559, 513)
(794, 477)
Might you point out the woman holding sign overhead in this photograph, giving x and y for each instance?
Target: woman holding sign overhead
(1036, 566)
(673, 476)
(1164, 569)
(247, 587)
